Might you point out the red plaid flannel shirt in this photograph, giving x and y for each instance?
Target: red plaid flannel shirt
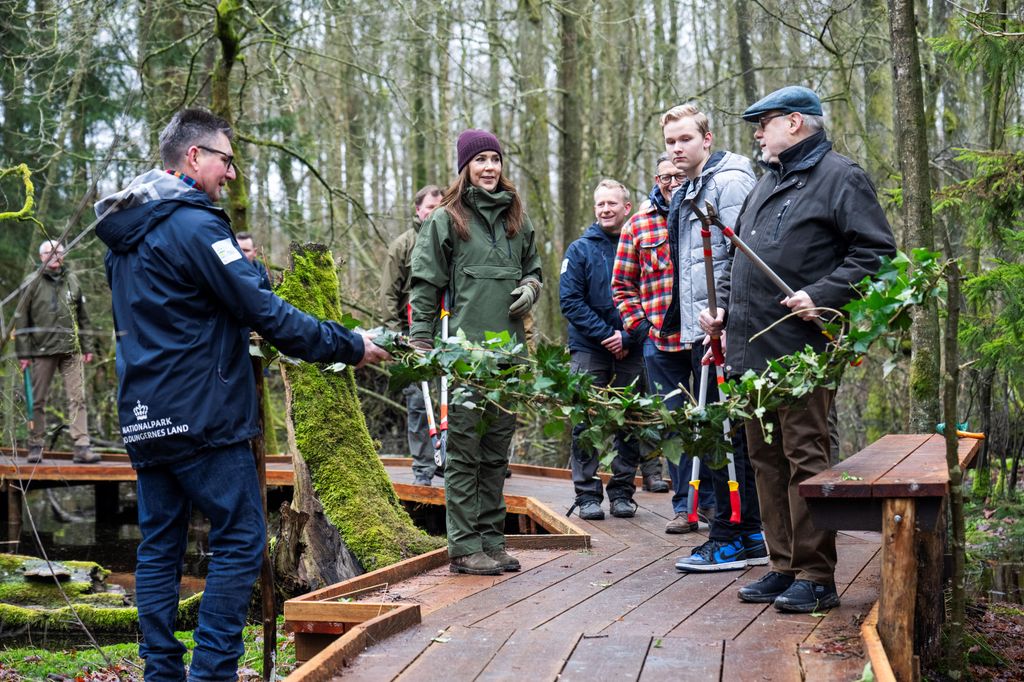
(643, 277)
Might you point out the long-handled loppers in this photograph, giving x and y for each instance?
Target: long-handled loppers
(718, 357)
(30, 404)
(692, 496)
(438, 433)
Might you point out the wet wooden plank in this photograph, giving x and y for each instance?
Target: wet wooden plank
(673, 659)
(767, 661)
(386, 659)
(479, 606)
(924, 472)
(606, 657)
(855, 476)
(566, 594)
(722, 615)
(458, 653)
(607, 606)
(667, 609)
(530, 655)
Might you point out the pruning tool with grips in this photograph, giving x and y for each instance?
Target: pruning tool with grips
(438, 430)
(718, 358)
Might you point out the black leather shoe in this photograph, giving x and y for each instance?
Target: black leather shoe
(623, 508)
(655, 484)
(805, 596)
(765, 590)
(591, 511)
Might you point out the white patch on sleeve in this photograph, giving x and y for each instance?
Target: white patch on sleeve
(226, 251)
(565, 266)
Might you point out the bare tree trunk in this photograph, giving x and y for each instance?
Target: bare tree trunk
(570, 187)
(912, 148)
(227, 34)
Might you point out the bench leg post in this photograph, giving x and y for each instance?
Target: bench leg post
(897, 599)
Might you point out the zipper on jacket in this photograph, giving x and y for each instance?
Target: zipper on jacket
(781, 216)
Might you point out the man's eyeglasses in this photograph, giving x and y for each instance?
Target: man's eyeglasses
(228, 159)
(763, 120)
(667, 178)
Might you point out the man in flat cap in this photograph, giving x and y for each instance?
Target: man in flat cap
(813, 217)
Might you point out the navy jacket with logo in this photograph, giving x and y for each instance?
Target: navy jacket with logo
(183, 293)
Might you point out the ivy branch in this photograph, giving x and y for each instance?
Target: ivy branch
(503, 373)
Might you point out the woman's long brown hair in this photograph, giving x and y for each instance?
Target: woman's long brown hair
(455, 206)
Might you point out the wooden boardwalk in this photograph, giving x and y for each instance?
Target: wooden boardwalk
(620, 611)
(617, 611)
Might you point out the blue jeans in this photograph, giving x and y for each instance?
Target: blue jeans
(223, 485)
(664, 372)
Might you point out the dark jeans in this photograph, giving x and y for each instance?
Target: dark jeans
(607, 371)
(222, 484)
(666, 371)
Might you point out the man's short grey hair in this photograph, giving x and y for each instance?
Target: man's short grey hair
(51, 244)
(190, 127)
(662, 158)
(608, 183)
(813, 122)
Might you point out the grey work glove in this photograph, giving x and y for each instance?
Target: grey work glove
(523, 298)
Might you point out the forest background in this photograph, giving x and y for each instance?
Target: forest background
(342, 110)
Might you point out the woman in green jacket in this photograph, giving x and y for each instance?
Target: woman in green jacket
(480, 247)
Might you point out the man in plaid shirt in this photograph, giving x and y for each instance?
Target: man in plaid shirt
(642, 286)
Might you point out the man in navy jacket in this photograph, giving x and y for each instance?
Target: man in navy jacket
(183, 295)
(598, 345)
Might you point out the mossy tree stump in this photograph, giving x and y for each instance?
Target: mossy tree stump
(345, 516)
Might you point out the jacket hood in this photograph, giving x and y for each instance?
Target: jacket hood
(145, 202)
(657, 200)
(595, 233)
(719, 162)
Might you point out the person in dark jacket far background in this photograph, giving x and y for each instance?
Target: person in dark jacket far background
(813, 217)
(182, 293)
(599, 346)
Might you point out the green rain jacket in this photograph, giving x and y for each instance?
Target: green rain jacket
(55, 309)
(480, 273)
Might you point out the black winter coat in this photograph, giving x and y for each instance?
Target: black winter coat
(815, 220)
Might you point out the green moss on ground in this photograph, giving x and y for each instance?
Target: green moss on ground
(40, 606)
(332, 437)
(36, 663)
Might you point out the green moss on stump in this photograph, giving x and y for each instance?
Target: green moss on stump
(330, 431)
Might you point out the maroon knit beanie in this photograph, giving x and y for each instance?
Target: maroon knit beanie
(472, 142)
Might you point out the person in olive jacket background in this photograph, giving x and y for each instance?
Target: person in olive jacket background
(47, 339)
(480, 246)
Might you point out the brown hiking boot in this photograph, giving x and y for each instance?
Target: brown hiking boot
(679, 525)
(85, 455)
(504, 559)
(655, 484)
(477, 563)
(35, 454)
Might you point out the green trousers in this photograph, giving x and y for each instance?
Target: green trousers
(474, 477)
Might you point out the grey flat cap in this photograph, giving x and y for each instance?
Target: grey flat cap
(788, 99)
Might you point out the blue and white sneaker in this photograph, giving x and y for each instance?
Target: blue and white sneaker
(757, 551)
(715, 555)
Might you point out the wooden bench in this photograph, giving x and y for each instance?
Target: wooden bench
(897, 485)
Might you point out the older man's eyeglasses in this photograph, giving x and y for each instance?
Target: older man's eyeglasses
(228, 159)
(762, 121)
(669, 177)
